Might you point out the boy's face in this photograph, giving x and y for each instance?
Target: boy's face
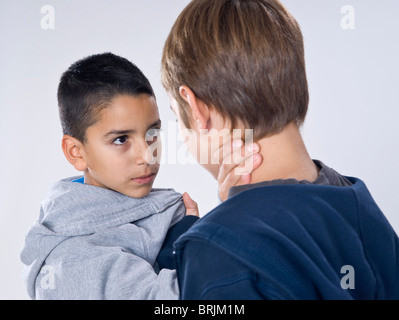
(116, 149)
(201, 146)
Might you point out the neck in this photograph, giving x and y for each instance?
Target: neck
(285, 157)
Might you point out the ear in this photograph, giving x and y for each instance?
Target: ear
(199, 110)
(74, 152)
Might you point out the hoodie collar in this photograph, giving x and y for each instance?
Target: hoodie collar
(75, 209)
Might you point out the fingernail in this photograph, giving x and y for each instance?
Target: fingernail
(237, 144)
(253, 148)
(257, 158)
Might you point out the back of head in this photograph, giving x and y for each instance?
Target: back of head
(245, 58)
(90, 84)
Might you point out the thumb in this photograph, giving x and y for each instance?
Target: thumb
(191, 205)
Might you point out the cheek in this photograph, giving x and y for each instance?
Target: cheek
(200, 147)
(107, 161)
(192, 141)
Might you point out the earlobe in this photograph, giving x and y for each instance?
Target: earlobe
(199, 110)
(73, 149)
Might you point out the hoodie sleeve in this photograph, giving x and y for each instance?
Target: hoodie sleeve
(107, 274)
(127, 277)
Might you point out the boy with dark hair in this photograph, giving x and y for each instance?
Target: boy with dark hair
(300, 230)
(102, 235)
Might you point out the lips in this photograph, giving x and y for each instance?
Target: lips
(145, 179)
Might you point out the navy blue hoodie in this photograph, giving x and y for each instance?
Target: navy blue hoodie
(291, 242)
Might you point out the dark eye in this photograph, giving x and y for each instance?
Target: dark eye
(120, 141)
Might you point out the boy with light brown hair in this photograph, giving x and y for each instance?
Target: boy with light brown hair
(299, 230)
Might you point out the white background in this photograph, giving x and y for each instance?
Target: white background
(352, 123)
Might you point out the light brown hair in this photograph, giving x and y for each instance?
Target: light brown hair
(245, 58)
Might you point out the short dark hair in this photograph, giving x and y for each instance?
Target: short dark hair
(90, 84)
(244, 58)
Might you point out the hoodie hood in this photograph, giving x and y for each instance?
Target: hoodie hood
(76, 209)
(73, 209)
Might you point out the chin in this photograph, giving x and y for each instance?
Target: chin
(140, 193)
(213, 169)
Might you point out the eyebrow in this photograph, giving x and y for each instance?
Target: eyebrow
(132, 131)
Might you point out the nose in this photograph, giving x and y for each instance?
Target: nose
(140, 154)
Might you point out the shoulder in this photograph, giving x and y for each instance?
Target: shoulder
(243, 260)
(164, 198)
(270, 218)
(167, 200)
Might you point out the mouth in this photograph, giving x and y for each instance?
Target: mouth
(145, 179)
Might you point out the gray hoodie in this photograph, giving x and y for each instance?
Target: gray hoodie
(94, 243)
